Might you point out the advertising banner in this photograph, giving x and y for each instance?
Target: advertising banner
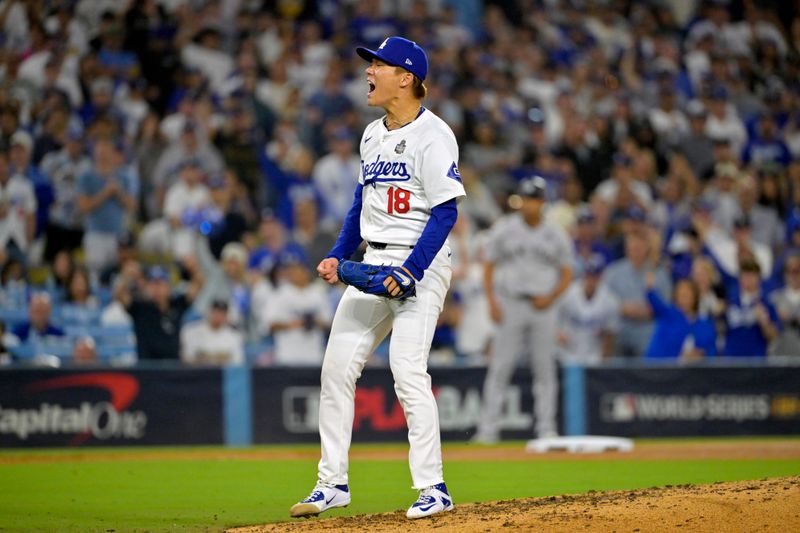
(110, 407)
(286, 405)
(653, 402)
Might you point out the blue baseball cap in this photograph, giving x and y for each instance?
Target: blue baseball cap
(216, 182)
(622, 159)
(157, 273)
(584, 215)
(532, 187)
(719, 92)
(75, 132)
(636, 213)
(595, 264)
(399, 52)
(290, 258)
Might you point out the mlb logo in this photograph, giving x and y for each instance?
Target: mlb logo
(618, 407)
(383, 44)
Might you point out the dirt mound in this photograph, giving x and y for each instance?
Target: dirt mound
(764, 505)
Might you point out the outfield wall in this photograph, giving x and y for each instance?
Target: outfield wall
(239, 406)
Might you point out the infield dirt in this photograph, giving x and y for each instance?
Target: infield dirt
(770, 505)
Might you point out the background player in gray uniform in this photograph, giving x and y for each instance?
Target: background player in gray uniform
(528, 267)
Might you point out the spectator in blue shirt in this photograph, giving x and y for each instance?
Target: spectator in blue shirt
(38, 324)
(627, 280)
(101, 104)
(330, 100)
(766, 146)
(105, 195)
(274, 243)
(679, 331)
(751, 319)
(119, 62)
(587, 240)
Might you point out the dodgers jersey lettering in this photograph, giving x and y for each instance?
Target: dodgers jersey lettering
(405, 173)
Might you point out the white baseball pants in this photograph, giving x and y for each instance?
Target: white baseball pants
(361, 322)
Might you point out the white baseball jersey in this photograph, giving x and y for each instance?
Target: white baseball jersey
(406, 172)
(298, 347)
(585, 320)
(200, 344)
(17, 201)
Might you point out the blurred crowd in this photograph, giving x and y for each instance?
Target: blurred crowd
(171, 171)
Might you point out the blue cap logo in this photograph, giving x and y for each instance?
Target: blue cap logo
(595, 264)
(399, 52)
(532, 187)
(157, 273)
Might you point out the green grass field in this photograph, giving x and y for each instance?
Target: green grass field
(209, 495)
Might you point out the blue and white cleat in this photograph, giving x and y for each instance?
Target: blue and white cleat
(431, 500)
(322, 498)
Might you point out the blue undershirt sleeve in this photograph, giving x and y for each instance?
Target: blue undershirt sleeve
(443, 217)
(350, 236)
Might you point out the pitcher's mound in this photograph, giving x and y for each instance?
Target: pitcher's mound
(764, 505)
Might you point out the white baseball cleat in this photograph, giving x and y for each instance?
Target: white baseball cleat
(322, 498)
(431, 500)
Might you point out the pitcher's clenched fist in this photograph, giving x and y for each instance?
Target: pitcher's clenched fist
(327, 270)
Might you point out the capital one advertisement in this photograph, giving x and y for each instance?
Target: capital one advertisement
(110, 408)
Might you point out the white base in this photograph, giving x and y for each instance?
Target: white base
(581, 444)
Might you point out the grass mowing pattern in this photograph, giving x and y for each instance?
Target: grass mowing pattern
(207, 495)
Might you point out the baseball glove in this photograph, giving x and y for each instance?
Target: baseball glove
(370, 279)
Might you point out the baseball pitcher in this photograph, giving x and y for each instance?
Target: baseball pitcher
(404, 207)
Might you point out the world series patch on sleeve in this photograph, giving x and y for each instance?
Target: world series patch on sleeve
(370, 279)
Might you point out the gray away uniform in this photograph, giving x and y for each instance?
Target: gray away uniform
(527, 262)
